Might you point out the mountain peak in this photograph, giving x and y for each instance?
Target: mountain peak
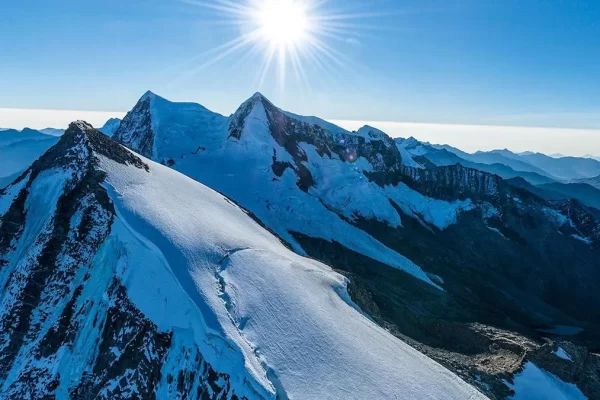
(238, 119)
(81, 140)
(411, 141)
(29, 131)
(81, 125)
(151, 97)
(254, 100)
(148, 95)
(371, 133)
(52, 131)
(367, 128)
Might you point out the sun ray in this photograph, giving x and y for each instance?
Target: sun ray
(223, 52)
(268, 59)
(293, 35)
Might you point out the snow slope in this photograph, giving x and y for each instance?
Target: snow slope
(244, 288)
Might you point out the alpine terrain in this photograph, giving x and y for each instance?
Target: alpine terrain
(183, 254)
(122, 278)
(473, 270)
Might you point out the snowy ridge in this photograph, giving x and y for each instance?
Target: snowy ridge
(317, 121)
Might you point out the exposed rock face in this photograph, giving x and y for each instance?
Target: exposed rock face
(584, 220)
(67, 326)
(455, 182)
(139, 121)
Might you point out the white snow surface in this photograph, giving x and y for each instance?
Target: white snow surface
(414, 147)
(407, 157)
(370, 133)
(561, 353)
(11, 191)
(179, 128)
(534, 383)
(280, 324)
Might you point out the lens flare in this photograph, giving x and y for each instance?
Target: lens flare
(350, 155)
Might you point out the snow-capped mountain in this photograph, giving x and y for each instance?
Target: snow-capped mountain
(122, 278)
(429, 249)
(441, 156)
(556, 166)
(110, 126)
(504, 158)
(18, 149)
(550, 189)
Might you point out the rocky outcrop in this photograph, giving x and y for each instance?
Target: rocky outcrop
(455, 182)
(135, 131)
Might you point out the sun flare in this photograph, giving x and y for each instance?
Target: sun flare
(289, 36)
(283, 22)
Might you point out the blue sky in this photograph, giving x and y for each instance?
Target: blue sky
(509, 62)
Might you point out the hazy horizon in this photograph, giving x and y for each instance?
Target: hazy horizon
(467, 137)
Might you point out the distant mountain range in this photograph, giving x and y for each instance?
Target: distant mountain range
(52, 131)
(267, 255)
(509, 165)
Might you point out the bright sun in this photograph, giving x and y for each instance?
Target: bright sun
(289, 35)
(282, 22)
